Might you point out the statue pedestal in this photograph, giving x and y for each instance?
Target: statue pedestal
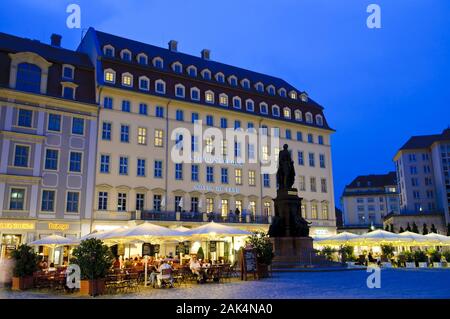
(293, 250)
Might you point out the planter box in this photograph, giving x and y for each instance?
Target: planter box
(92, 287)
(411, 264)
(423, 265)
(22, 283)
(351, 264)
(437, 265)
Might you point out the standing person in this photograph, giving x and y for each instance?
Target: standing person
(237, 212)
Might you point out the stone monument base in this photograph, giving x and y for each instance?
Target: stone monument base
(293, 249)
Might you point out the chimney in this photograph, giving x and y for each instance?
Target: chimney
(56, 40)
(173, 45)
(205, 54)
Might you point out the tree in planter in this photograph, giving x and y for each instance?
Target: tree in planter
(435, 256)
(388, 251)
(26, 263)
(415, 229)
(446, 255)
(263, 246)
(94, 259)
(328, 252)
(420, 256)
(424, 229)
(433, 229)
(346, 253)
(409, 257)
(200, 254)
(401, 229)
(408, 228)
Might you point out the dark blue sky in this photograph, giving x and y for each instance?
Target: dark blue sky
(378, 86)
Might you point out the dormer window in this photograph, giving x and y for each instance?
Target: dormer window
(220, 77)
(282, 92)
(125, 55)
(209, 97)
(263, 108)
(232, 80)
(287, 113)
(68, 90)
(293, 95)
(298, 115)
(271, 90)
(192, 71)
(108, 50)
(319, 120)
(223, 99)
(237, 102)
(158, 63)
(250, 105)
(245, 84)
(276, 110)
(195, 94)
(110, 76)
(177, 67)
(179, 90)
(206, 74)
(68, 72)
(127, 79)
(259, 87)
(142, 59)
(304, 97)
(309, 118)
(160, 86)
(144, 83)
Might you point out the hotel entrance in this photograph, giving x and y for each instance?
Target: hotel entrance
(9, 242)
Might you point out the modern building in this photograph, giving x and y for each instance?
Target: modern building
(367, 200)
(146, 93)
(422, 165)
(48, 129)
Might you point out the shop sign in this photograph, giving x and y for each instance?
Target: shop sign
(12, 225)
(54, 226)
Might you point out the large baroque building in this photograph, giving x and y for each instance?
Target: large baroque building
(146, 92)
(367, 200)
(48, 129)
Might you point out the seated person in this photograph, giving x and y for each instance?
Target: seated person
(165, 274)
(52, 267)
(196, 268)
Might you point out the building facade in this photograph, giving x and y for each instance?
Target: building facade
(422, 165)
(367, 200)
(48, 129)
(147, 93)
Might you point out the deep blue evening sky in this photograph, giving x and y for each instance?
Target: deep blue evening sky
(378, 86)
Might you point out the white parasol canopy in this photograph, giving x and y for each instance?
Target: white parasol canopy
(442, 240)
(376, 237)
(339, 239)
(412, 239)
(213, 229)
(52, 241)
(146, 230)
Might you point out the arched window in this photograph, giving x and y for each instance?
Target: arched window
(223, 99)
(179, 90)
(144, 83)
(319, 120)
(142, 58)
(282, 92)
(250, 105)
(237, 102)
(263, 108)
(287, 113)
(158, 62)
(232, 80)
(293, 95)
(245, 84)
(220, 77)
(28, 78)
(209, 97)
(309, 117)
(192, 71)
(127, 79)
(304, 97)
(160, 86)
(177, 67)
(298, 115)
(259, 87)
(108, 50)
(110, 76)
(275, 110)
(206, 74)
(271, 90)
(195, 94)
(125, 55)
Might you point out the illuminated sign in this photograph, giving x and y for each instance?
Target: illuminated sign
(54, 226)
(219, 189)
(24, 226)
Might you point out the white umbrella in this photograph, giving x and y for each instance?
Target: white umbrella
(146, 230)
(376, 237)
(102, 235)
(181, 228)
(213, 229)
(339, 239)
(52, 241)
(412, 239)
(443, 240)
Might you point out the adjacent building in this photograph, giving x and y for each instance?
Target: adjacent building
(48, 129)
(367, 200)
(146, 93)
(422, 165)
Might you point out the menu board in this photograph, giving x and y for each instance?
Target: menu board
(146, 249)
(249, 263)
(156, 249)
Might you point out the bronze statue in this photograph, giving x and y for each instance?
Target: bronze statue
(286, 171)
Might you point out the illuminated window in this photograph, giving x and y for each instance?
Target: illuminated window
(252, 207)
(224, 147)
(293, 95)
(209, 145)
(287, 113)
(309, 118)
(267, 209)
(17, 199)
(127, 79)
(223, 99)
(238, 205)
(251, 178)
(159, 138)
(313, 211)
(298, 115)
(238, 176)
(142, 135)
(265, 153)
(224, 206)
(210, 205)
(209, 97)
(110, 76)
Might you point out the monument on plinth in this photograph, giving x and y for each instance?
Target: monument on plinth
(289, 231)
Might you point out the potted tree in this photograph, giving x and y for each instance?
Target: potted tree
(347, 255)
(264, 252)
(421, 258)
(446, 255)
(409, 260)
(435, 257)
(94, 259)
(388, 253)
(26, 263)
(328, 252)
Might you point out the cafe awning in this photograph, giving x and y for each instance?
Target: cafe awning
(215, 230)
(52, 241)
